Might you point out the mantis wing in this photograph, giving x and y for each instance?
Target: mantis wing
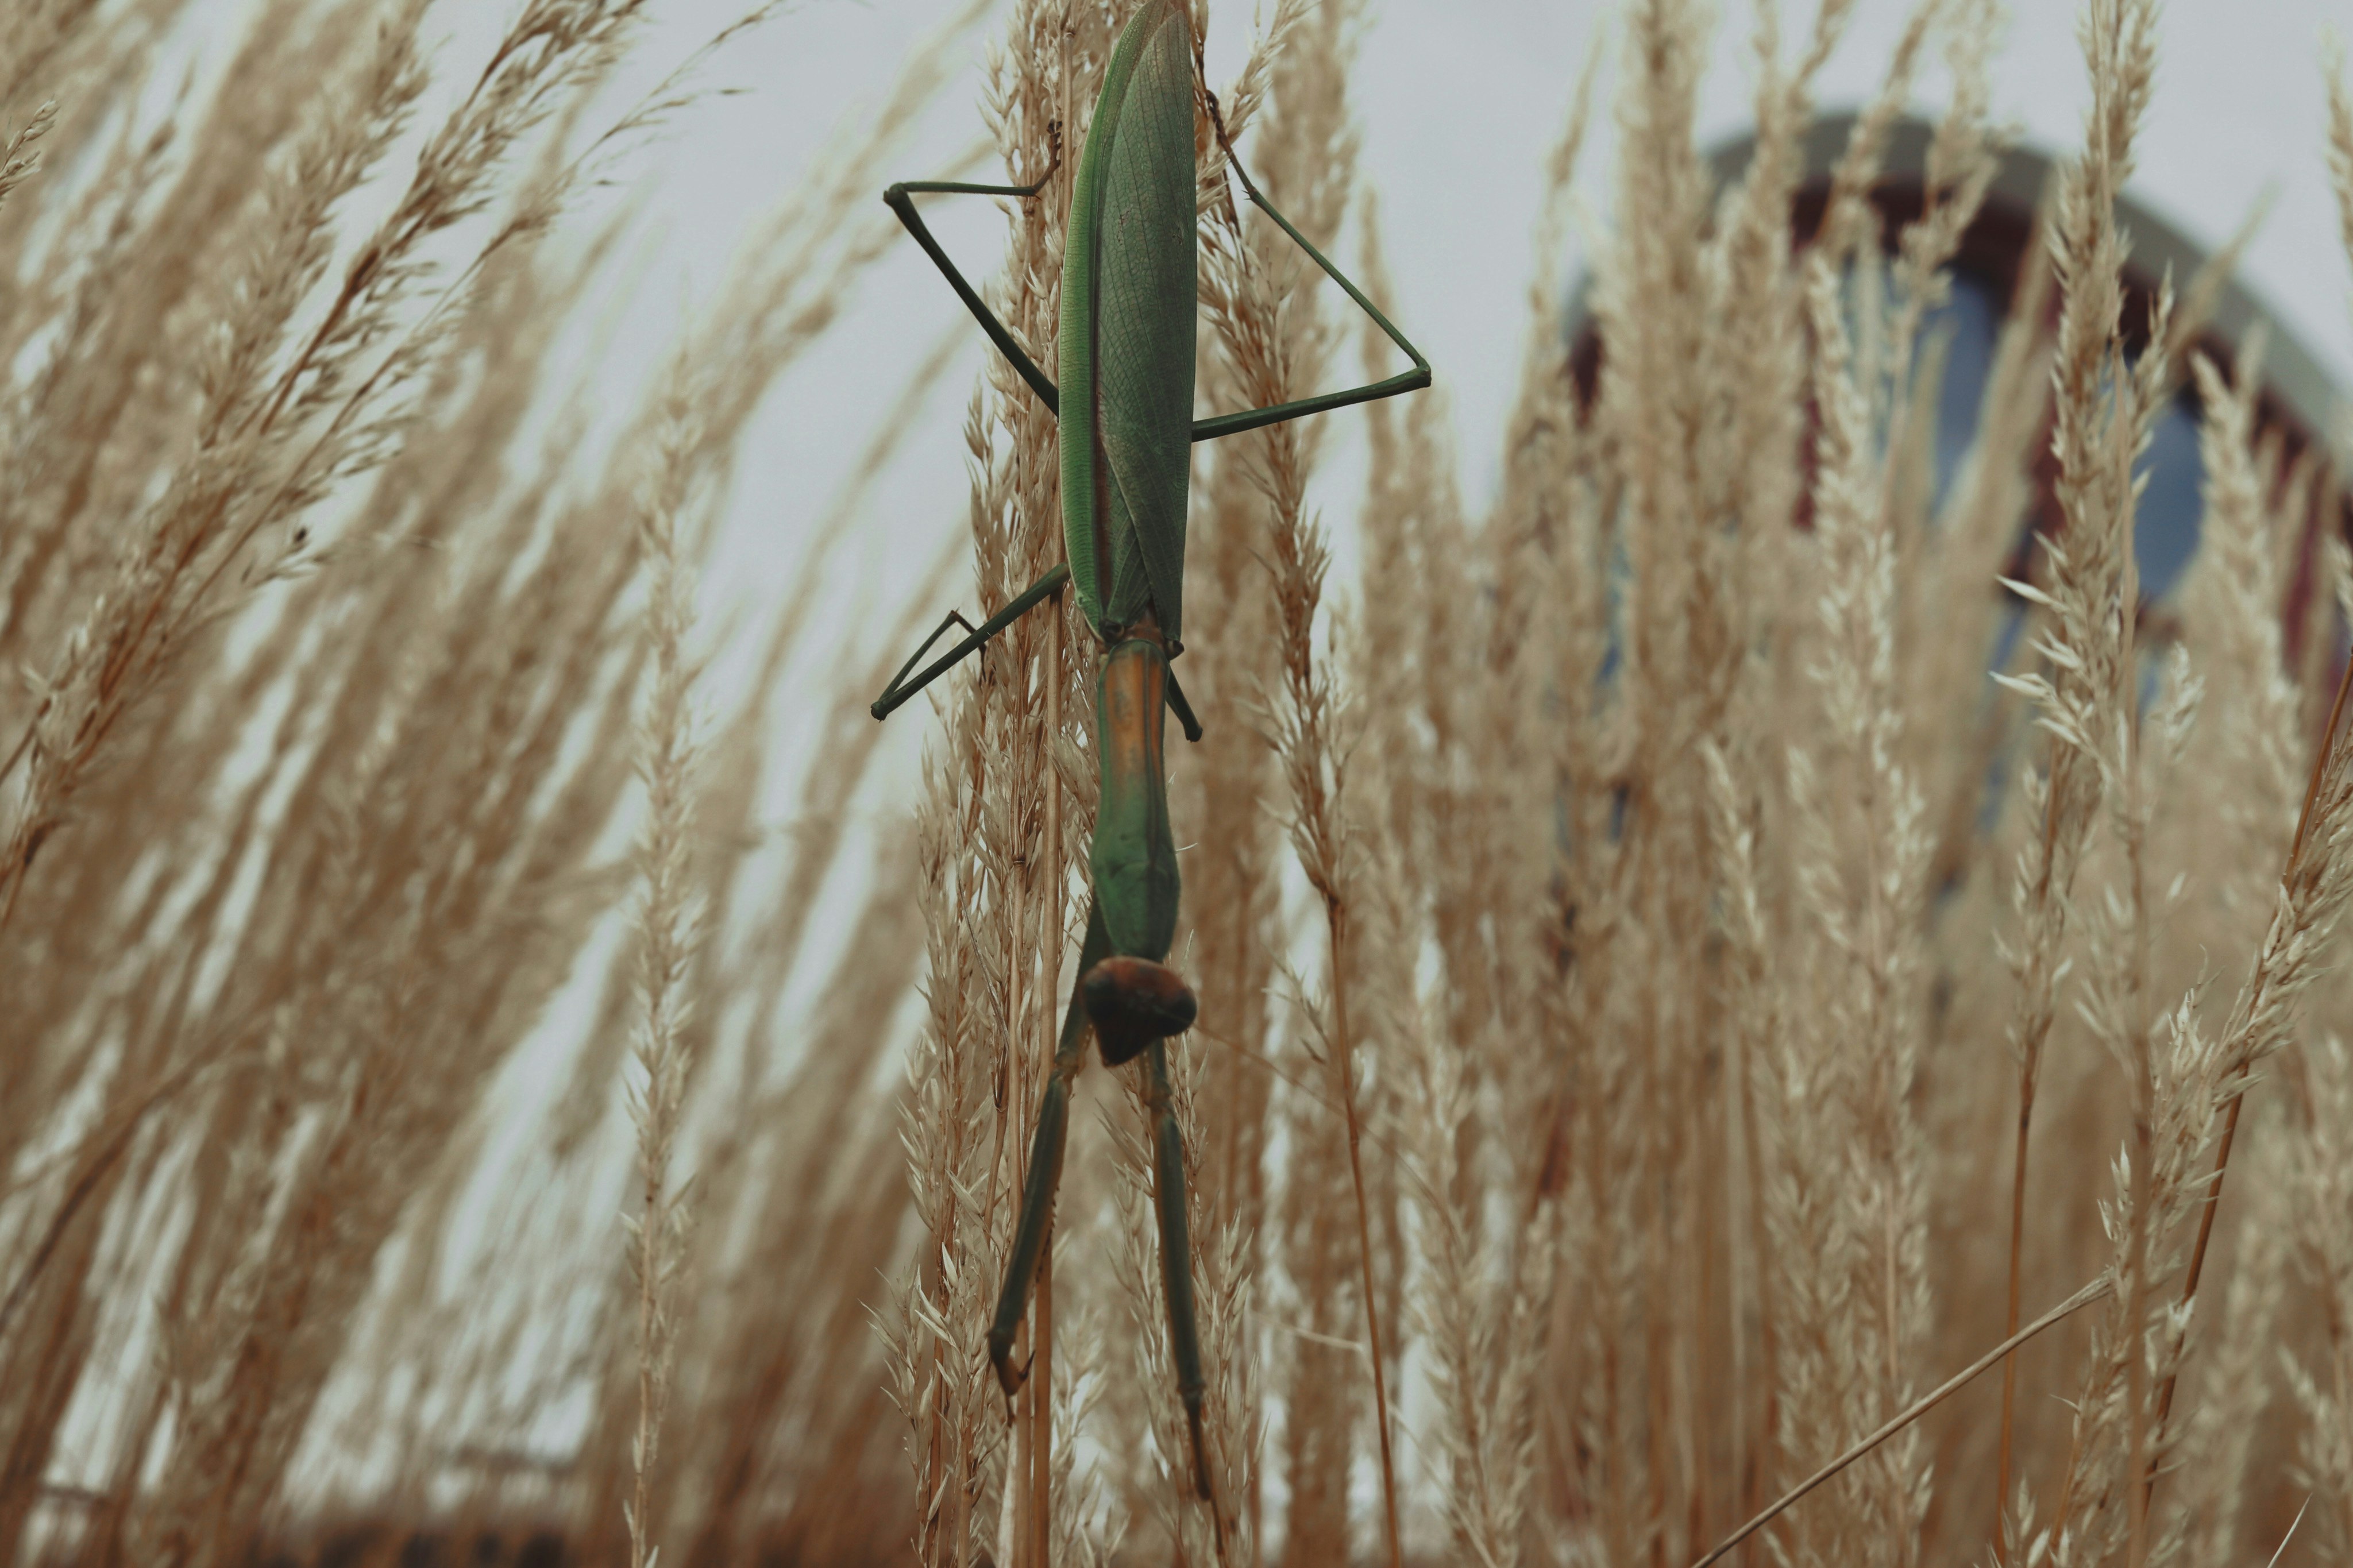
(1129, 318)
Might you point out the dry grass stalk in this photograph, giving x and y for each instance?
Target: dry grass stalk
(659, 1231)
(995, 878)
(2101, 424)
(20, 158)
(2320, 1384)
(1275, 342)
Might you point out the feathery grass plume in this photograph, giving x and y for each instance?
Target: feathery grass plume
(1906, 385)
(667, 933)
(1575, 1440)
(2322, 1380)
(995, 881)
(1863, 886)
(1847, 1232)
(2232, 606)
(1480, 1311)
(1976, 528)
(1756, 366)
(2229, 1438)
(1745, 454)
(1275, 341)
(1849, 223)
(2102, 412)
(20, 157)
(1541, 442)
(1675, 644)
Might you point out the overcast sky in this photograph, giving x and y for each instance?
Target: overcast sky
(1459, 101)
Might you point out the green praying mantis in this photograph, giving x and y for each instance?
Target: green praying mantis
(1125, 404)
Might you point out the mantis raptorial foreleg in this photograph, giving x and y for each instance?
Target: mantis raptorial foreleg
(1176, 1252)
(899, 198)
(1045, 1173)
(1044, 1178)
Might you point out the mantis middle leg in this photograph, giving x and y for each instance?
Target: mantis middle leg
(901, 688)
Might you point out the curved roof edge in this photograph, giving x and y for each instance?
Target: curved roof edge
(2290, 372)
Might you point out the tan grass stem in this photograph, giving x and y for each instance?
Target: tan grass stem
(2010, 1316)
(2213, 1184)
(1049, 947)
(2081, 1299)
(1344, 1062)
(667, 937)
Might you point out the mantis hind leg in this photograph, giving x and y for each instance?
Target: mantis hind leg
(1045, 1174)
(1176, 1256)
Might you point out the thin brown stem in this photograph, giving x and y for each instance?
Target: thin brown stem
(2010, 1316)
(1344, 1062)
(2081, 1299)
(1042, 1410)
(2328, 740)
(2030, 1063)
(1049, 947)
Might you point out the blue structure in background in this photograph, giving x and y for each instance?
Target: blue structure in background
(2165, 534)
(2297, 399)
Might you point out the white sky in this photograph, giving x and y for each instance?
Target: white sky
(1459, 101)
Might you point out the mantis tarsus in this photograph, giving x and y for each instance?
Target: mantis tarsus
(1125, 404)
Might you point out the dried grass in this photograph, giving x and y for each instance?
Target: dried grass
(1638, 947)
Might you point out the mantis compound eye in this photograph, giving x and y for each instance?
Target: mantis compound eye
(1133, 1001)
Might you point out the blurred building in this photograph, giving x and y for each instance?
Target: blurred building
(2295, 407)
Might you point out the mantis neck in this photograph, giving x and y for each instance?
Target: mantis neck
(1134, 860)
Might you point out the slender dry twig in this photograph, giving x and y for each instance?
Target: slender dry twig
(2081, 1299)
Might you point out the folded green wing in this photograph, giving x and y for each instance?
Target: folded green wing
(1129, 311)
